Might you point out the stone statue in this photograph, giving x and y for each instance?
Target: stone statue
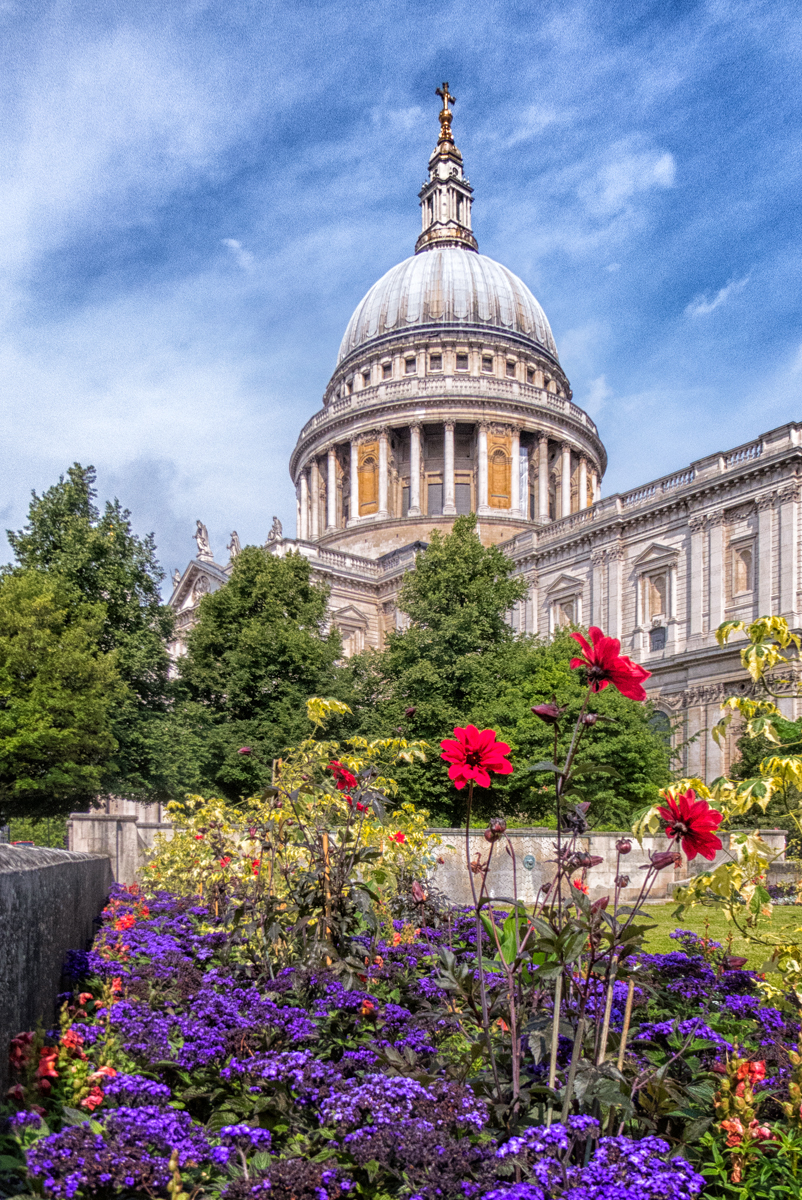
(176, 578)
(234, 546)
(202, 538)
(276, 532)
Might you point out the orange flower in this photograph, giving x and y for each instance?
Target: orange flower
(368, 1008)
(84, 997)
(580, 885)
(71, 1040)
(116, 986)
(47, 1064)
(734, 1130)
(126, 922)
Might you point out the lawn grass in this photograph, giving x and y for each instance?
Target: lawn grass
(711, 922)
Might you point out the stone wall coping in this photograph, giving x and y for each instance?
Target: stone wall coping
(33, 858)
(542, 831)
(101, 816)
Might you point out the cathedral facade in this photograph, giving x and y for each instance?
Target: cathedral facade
(448, 397)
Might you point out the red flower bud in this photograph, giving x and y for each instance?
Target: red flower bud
(590, 718)
(245, 750)
(623, 845)
(661, 859)
(550, 713)
(496, 829)
(622, 881)
(409, 713)
(418, 893)
(599, 904)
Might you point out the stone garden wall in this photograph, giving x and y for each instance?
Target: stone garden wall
(49, 900)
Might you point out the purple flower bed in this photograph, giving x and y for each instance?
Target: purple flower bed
(178, 1066)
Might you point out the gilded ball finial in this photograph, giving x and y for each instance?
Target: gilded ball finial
(445, 113)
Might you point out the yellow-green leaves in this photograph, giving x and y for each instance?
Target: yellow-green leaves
(767, 637)
(319, 710)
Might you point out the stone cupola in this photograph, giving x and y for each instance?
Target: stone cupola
(446, 197)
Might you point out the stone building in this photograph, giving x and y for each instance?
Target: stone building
(448, 397)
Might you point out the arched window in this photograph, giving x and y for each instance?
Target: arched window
(742, 570)
(368, 486)
(499, 480)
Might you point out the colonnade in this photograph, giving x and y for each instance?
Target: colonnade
(309, 480)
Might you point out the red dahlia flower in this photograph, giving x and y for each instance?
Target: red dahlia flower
(692, 821)
(473, 755)
(343, 779)
(606, 664)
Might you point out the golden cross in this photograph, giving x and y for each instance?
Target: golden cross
(445, 96)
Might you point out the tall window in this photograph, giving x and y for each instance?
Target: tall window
(368, 486)
(499, 480)
(462, 362)
(434, 506)
(655, 596)
(565, 613)
(387, 370)
(742, 569)
(462, 498)
(410, 366)
(487, 365)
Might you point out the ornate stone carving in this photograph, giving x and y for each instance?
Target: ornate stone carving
(200, 588)
(176, 578)
(696, 523)
(234, 547)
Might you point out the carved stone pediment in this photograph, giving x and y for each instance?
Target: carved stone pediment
(565, 585)
(658, 554)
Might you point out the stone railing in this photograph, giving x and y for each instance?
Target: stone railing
(448, 387)
(743, 454)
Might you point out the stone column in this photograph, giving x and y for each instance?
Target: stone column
(543, 478)
(583, 482)
(565, 480)
(482, 505)
(304, 530)
(331, 490)
(383, 480)
(354, 503)
(298, 510)
(594, 486)
(615, 570)
(449, 505)
(515, 476)
(598, 559)
(314, 476)
(414, 470)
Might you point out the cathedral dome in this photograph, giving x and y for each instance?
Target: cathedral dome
(447, 285)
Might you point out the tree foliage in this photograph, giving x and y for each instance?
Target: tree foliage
(116, 574)
(459, 662)
(58, 689)
(257, 653)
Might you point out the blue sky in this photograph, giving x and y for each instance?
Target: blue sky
(194, 197)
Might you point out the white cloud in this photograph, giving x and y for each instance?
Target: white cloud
(617, 182)
(701, 305)
(243, 257)
(597, 395)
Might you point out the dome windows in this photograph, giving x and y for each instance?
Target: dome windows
(487, 364)
(462, 362)
(387, 370)
(510, 369)
(410, 366)
(435, 362)
(530, 375)
(366, 378)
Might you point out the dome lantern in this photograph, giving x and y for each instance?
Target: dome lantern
(446, 197)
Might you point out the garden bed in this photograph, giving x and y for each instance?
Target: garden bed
(176, 1070)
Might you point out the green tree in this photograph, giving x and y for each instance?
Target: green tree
(57, 694)
(459, 662)
(98, 554)
(751, 752)
(256, 655)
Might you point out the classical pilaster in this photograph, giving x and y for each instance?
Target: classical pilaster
(598, 560)
(353, 512)
(449, 505)
(314, 499)
(615, 573)
(715, 525)
(583, 482)
(515, 474)
(595, 489)
(304, 530)
(765, 554)
(482, 506)
(788, 497)
(543, 477)
(331, 490)
(414, 469)
(696, 569)
(298, 510)
(565, 480)
(383, 472)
